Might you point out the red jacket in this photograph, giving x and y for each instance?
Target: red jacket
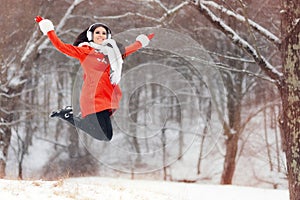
(97, 93)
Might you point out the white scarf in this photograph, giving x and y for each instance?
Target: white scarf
(114, 57)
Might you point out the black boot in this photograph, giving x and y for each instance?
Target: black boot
(64, 113)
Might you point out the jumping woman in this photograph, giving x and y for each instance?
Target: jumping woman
(101, 59)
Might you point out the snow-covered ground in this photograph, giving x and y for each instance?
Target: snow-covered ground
(121, 189)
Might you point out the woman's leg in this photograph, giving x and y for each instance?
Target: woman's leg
(97, 125)
(105, 123)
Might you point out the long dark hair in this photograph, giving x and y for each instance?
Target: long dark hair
(82, 37)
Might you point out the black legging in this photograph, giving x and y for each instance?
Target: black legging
(97, 125)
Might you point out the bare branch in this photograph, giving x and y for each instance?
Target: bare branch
(222, 66)
(52, 142)
(251, 115)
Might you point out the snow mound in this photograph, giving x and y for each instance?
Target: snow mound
(116, 189)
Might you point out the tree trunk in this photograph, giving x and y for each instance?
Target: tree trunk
(230, 159)
(232, 128)
(290, 92)
(5, 136)
(8, 103)
(133, 109)
(232, 132)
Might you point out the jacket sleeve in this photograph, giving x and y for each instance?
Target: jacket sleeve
(132, 48)
(68, 49)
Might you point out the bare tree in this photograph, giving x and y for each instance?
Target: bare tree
(70, 17)
(287, 82)
(289, 90)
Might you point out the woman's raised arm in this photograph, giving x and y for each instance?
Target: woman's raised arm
(47, 28)
(141, 41)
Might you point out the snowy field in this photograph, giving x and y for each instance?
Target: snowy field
(121, 189)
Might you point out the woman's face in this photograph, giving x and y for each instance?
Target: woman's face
(99, 35)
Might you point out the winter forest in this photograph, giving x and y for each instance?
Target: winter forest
(213, 99)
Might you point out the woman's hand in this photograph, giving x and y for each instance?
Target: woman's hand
(38, 19)
(150, 36)
(45, 24)
(144, 39)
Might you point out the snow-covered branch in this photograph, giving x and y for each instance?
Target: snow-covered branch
(173, 10)
(167, 13)
(158, 20)
(32, 45)
(270, 70)
(63, 20)
(270, 36)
